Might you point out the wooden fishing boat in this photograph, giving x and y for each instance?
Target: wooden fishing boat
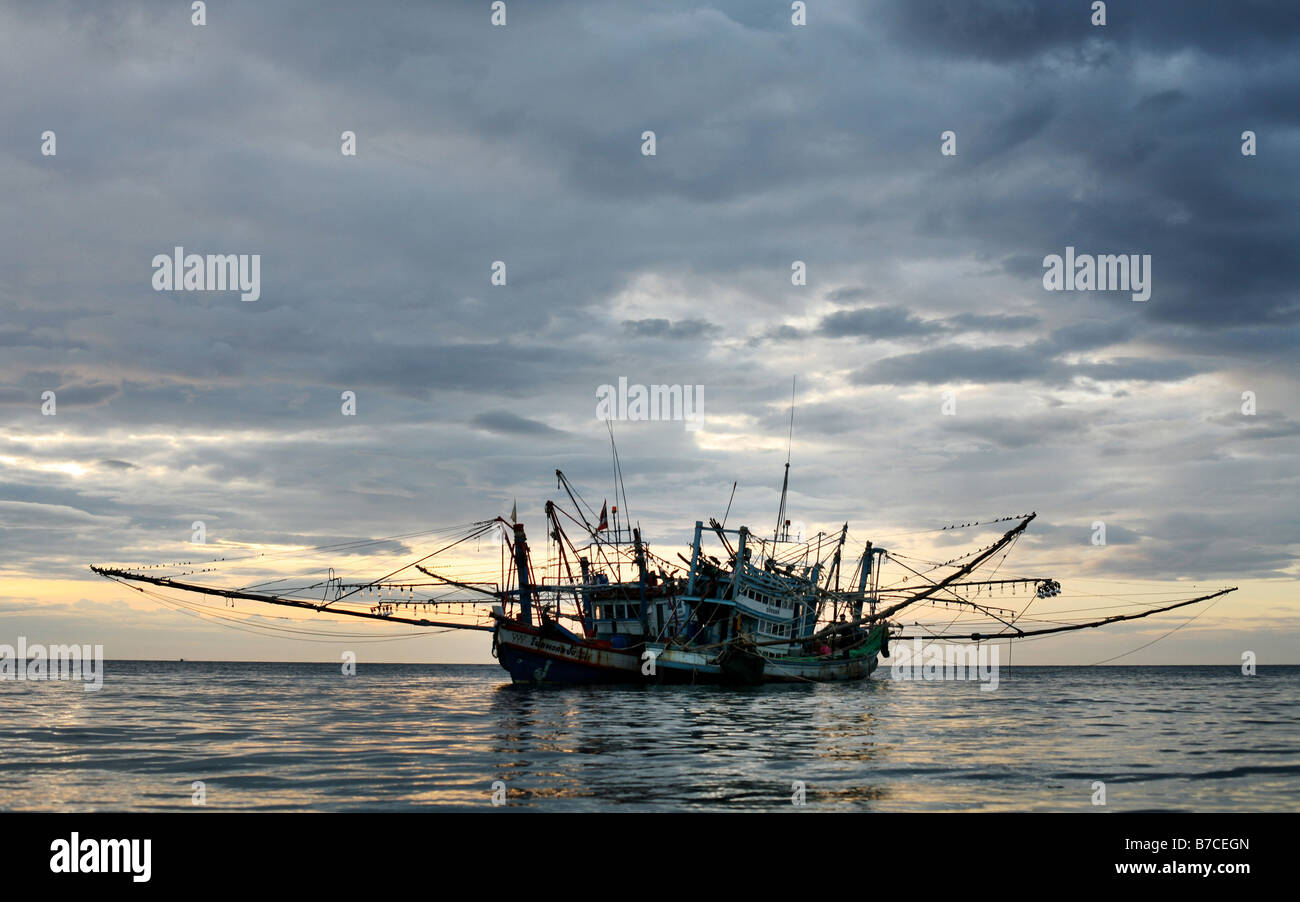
(732, 622)
(744, 608)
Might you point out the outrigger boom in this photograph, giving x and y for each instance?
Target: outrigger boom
(118, 574)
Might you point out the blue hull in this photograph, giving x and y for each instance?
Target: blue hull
(528, 667)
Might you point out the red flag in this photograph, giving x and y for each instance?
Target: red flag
(604, 517)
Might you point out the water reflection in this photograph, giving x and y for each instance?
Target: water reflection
(276, 737)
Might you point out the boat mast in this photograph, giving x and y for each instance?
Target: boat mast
(695, 558)
(835, 572)
(867, 561)
(641, 579)
(785, 483)
(521, 565)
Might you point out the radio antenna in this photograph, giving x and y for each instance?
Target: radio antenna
(785, 483)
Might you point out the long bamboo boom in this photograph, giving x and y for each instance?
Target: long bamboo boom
(166, 582)
(984, 637)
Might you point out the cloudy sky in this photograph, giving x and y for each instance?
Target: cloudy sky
(774, 143)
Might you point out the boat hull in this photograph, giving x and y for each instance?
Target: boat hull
(533, 654)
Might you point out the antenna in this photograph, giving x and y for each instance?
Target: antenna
(729, 500)
(785, 483)
(790, 439)
(618, 483)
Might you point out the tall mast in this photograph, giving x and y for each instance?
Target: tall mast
(868, 561)
(619, 488)
(785, 483)
(834, 572)
(641, 580)
(521, 565)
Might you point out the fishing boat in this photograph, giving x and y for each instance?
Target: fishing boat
(603, 608)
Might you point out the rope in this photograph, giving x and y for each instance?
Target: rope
(1158, 638)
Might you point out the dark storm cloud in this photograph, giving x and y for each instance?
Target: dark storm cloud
(1000, 138)
(1001, 30)
(1160, 101)
(1014, 30)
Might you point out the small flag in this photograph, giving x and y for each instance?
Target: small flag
(514, 512)
(604, 516)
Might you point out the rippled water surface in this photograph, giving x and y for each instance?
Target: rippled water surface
(393, 737)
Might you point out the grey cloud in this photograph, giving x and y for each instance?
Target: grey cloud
(506, 423)
(948, 364)
(1258, 427)
(1020, 432)
(991, 322)
(875, 322)
(664, 328)
(1003, 30)
(845, 295)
